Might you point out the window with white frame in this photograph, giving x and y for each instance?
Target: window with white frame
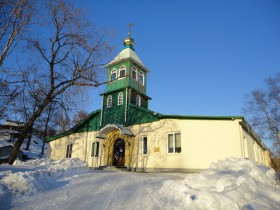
(134, 73)
(109, 101)
(113, 75)
(95, 149)
(120, 99)
(141, 78)
(138, 100)
(145, 145)
(122, 72)
(69, 148)
(174, 143)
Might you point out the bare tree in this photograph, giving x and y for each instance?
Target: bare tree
(7, 96)
(44, 125)
(63, 121)
(68, 52)
(15, 17)
(15, 20)
(263, 110)
(79, 116)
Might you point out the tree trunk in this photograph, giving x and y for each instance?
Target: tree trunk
(43, 146)
(29, 139)
(16, 149)
(46, 130)
(27, 128)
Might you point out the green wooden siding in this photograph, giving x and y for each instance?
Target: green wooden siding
(116, 113)
(118, 83)
(127, 81)
(139, 115)
(133, 97)
(92, 124)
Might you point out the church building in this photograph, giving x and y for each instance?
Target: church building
(125, 133)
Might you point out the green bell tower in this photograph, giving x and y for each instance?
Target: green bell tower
(126, 87)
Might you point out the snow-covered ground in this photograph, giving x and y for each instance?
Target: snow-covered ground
(35, 147)
(69, 184)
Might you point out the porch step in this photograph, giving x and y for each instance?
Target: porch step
(114, 168)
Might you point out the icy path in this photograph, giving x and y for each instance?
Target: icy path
(105, 190)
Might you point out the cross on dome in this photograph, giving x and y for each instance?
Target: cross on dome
(129, 28)
(129, 42)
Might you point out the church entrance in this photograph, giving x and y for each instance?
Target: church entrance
(119, 153)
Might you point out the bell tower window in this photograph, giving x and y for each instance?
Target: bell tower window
(138, 100)
(120, 99)
(113, 75)
(134, 73)
(122, 72)
(109, 101)
(141, 78)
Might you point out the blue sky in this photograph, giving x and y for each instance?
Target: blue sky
(204, 56)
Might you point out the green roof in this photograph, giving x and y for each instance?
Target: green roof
(197, 117)
(247, 127)
(123, 88)
(77, 127)
(148, 116)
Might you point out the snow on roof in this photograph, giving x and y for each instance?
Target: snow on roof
(14, 123)
(111, 127)
(127, 53)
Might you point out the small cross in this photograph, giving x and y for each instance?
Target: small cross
(129, 29)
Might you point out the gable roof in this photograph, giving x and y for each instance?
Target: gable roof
(148, 116)
(77, 127)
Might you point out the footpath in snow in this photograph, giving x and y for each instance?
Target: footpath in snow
(69, 184)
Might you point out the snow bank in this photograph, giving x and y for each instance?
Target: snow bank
(43, 175)
(68, 184)
(230, 184)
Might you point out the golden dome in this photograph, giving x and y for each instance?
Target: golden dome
(128, 41)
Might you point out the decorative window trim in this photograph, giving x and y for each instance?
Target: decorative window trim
(112, 72)
(142, 82)
(109, 101)
(95, 149)
(120, 98)
(175, 150)
(144, 145)
(138, 100)
(122, 68)
(134, 69)
(69, 149)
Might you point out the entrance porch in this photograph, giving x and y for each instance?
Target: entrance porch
(118, 145)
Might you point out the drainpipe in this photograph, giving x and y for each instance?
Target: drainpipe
(125, 112)
(241, 141)
(101, 117)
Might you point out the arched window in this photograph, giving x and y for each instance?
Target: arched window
(122, 72)
(120, 99)
(141, 78)
(134, 73)
(113, 75)
(138, 100)
(109, 101)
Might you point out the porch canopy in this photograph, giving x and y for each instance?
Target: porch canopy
(102, 134)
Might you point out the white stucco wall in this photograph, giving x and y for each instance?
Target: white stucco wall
(252, 149)
(202, 142)
(81, 147)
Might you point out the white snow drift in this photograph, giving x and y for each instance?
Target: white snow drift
(69, 184)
